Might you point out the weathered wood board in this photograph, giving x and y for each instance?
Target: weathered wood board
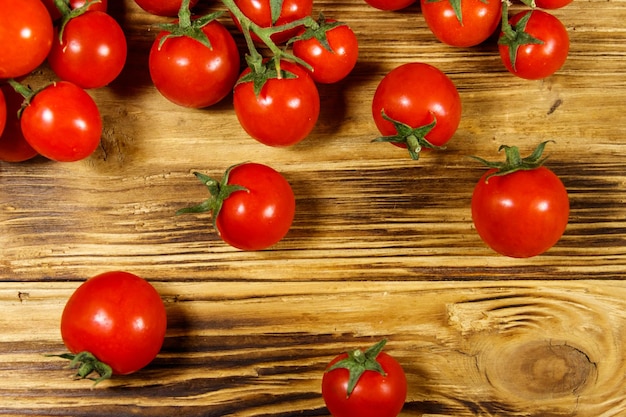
(381, 246)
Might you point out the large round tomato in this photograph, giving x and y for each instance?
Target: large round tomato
(535, 61)
(62, 122)
(379, 390)
(189, 73)
(253, 206)
(417, 95)
(163, 7)
(390, 4)
(521, 214)
(260, 12)
(93, 50)
(329, 65)
(477, 21)
(119, 318)
(284, 112)
(25, 35)
(13, 146)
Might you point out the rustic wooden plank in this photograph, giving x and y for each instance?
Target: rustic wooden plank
(381, 246)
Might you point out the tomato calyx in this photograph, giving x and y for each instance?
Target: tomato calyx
(25, 92)
(318, 32)
(514, 162)
(219, 190)
(86, 364)
(188, 27)
(456, 6)
(414, 138)
(67, 13)
(515, 36)
(359, 361)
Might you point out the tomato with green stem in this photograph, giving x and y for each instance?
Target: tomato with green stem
(331, 49)
(113, 324)
(61, 122)
(25, 35)
(253, 206)
(520, 208)
(163, 7)
(55, 14)
(533, 44)
(462, 23)
(277, 108)
(364, 383)
(13, 146)
(416, 106)
(194, 63)
(89, 50)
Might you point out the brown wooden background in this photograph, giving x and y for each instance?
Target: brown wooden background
(381, 246)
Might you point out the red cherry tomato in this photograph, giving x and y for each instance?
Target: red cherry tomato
(93, 51)
(25, 35)
(537, 61)
(375, 394)
(552, 4)
(13, 146)
(101, 5)
(163, 7)
(418, 94)
(62, 122)
(119, 318)
(390, 4)
(479, 20)
(260, 12)
(330, 66)
(522, 213)
(295, 100)
(190, 74)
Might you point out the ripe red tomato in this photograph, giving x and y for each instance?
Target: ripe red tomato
(284, 112)
(379, 391)
(13, 146)
(253, 206)
(100, 5)
(535, 61)
(163, 7)
(93, 51)
(478, 20)
(119, 318)
(62, 122)
(25, 35)
(552, 4)
(190, 74)
(329, 66)
(390, 4)
(520, 214)
(417, 95)
(260, 12)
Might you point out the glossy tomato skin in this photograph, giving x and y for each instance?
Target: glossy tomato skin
(192, 75)
(413, 94)
(13, 146)
(62, 122)
(330, 66)
(374, 395)
(101, 5)
(552, 4)
(521, 214)
(260, 12)
(119, 318)
(535, 61)
(93, 51)
(163, 7)
(285, 111)
(25, 35)
(390, 5)
(479, 21)
(260, 217)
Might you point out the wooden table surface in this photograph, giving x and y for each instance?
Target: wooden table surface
(381, 246)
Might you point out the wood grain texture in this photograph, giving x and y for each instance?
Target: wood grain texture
(381, 246)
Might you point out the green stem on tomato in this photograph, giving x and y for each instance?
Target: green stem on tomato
(184, 15)
(506, 26)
